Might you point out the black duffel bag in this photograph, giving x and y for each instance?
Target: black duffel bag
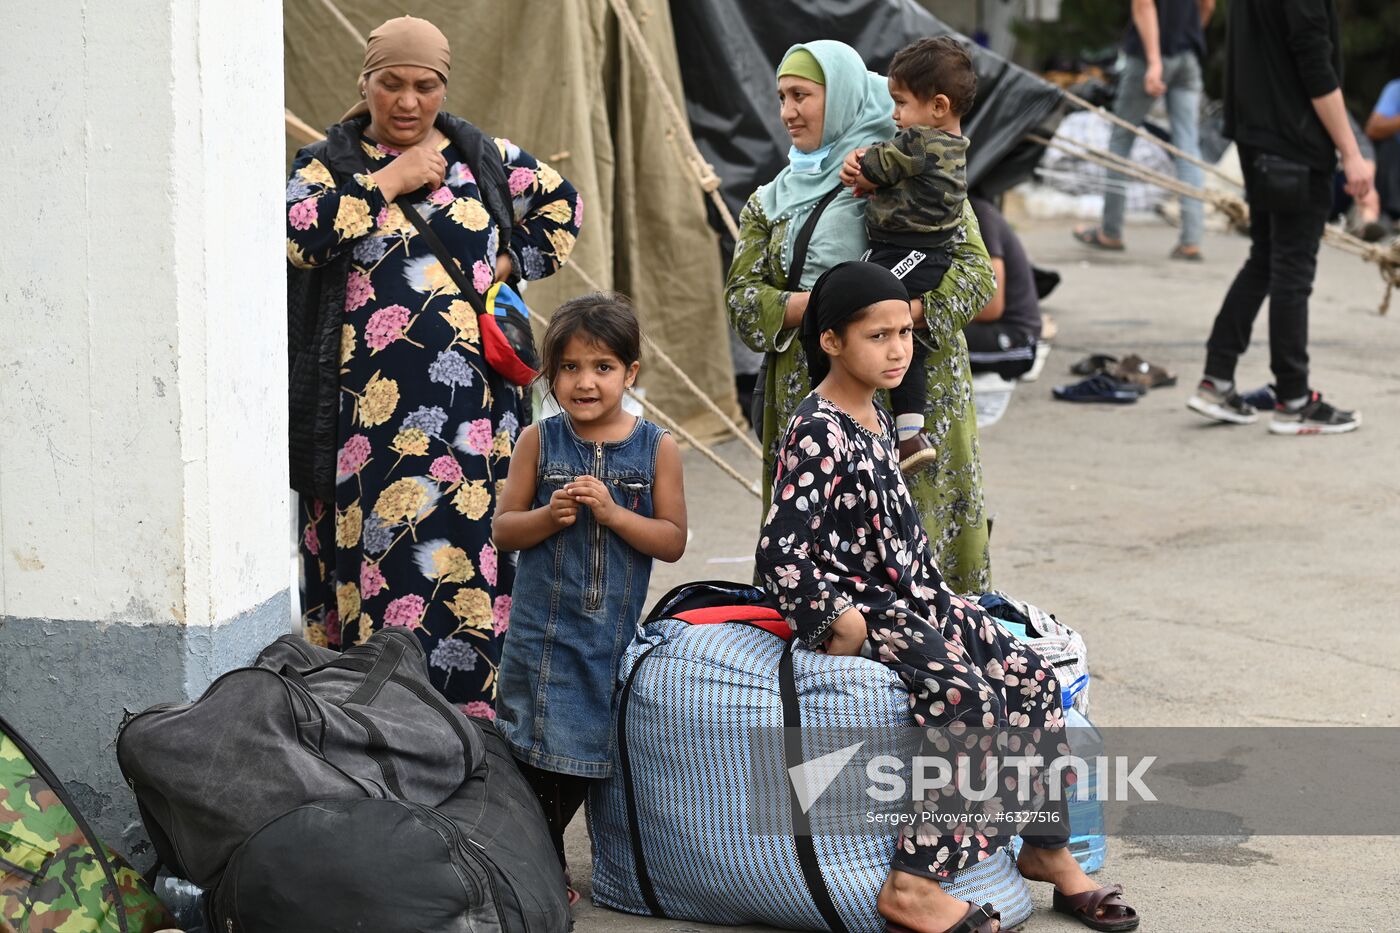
(482, 861)
(303, 724)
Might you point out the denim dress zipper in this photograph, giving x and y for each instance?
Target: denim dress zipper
(595, 585)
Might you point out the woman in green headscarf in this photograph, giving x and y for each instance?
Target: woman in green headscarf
(832, 104)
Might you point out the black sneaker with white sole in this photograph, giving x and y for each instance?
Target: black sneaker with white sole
(1315, 417)
(1227, 407)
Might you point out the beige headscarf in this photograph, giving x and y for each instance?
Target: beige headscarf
(403, 41)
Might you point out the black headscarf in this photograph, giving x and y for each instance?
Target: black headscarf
(841, 291)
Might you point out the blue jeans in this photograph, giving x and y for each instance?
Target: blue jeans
(1182, 75)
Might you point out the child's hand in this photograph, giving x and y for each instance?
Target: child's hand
(589, 491)
(851, 167)
(562, 508)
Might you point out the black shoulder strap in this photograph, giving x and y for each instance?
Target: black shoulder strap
(439, 249)
(804, 237)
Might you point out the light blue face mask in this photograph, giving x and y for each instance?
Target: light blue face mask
(807, 163)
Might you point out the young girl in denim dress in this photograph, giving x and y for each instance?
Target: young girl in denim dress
(594, 494)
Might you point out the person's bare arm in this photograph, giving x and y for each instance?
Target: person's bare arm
(661, 536)
(518, 525)
(1145, 19)
(1332, 111)
(1382, 128)
(993, 310)
(796, 308)
(1207, 11)
(848, 633)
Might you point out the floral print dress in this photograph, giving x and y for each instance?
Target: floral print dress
(949, 492)
(426, 427)
(843, 531)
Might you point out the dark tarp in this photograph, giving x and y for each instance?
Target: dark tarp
(729, 50)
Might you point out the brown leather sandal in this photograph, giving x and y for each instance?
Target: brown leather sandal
(1103, 909)
(977, 920)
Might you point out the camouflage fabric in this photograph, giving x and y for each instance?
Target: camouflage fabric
(51, 879)
(920, 180)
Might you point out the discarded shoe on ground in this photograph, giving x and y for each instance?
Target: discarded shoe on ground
(1133, 368)
(1100, 388)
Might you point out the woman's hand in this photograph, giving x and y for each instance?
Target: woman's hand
(590, 491)
(414, 168)
(504, 267)
(847, 634)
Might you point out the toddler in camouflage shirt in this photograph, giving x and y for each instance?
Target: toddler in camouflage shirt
(917, 184)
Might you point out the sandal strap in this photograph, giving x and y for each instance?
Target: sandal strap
(1104, 899)
(978, 919)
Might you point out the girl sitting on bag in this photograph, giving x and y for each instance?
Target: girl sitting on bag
(846, 558)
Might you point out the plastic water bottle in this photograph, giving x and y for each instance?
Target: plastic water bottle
(1087, 842)
(184, 900)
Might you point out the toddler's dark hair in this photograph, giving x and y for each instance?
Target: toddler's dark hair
(940, 65)
(607, 318)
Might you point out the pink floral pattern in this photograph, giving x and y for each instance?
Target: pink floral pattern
(520, 180)
(405, 611)
(386, 325)
(487, 564)
(371, 580)
(353, 455)
(446, 469)
(476, 438)
(481, 276)
(302, 215)
(500, 614)
(479, 709)
(358, 290)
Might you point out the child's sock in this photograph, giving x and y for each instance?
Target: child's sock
(906, 426)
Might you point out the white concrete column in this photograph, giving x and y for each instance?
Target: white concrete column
(143, 492)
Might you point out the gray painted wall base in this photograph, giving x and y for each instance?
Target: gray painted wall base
(66, 686)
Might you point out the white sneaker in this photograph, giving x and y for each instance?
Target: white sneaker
(1316, 417)
(1221, 406)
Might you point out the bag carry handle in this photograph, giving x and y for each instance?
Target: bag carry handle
(760, 617)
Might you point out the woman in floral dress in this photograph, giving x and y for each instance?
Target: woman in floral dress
(426, 427)
(851, 107)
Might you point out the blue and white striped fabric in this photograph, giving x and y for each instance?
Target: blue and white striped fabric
(691, 706)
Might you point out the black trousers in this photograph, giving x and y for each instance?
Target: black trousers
(1388, 175)
(560, 795)
(1281, 266)
(921, 270)
(992, 347)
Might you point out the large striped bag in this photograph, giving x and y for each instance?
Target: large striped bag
(673, 828)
